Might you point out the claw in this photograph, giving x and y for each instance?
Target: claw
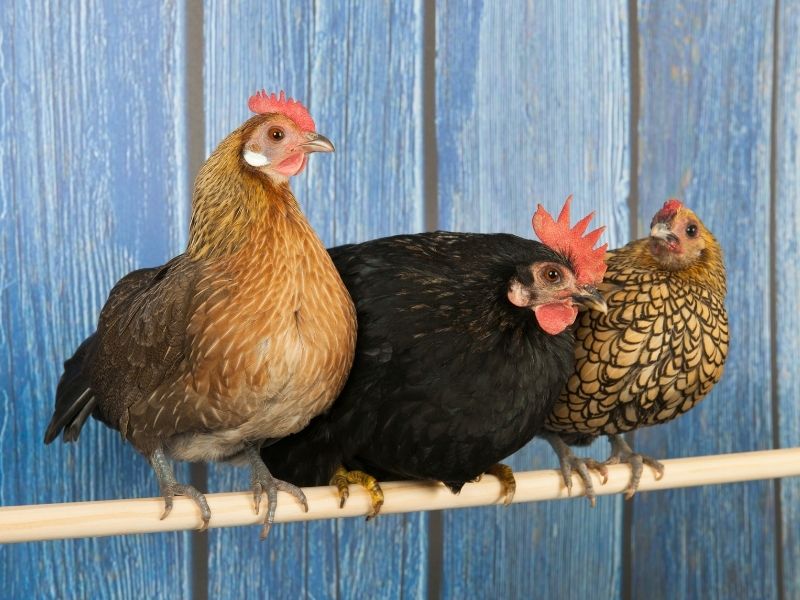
(339, 479)
(170, 490)
(568, 463)
(167, 507)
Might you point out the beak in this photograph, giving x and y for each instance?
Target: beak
(661, 231)
(590, 298)
(316, 143)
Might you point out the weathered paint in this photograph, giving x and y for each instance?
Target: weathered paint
(787, 276)
(93, 185)
(532, 105)
(704, 136)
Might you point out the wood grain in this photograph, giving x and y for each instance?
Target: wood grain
(93, 162)
(787, 275)
(358, 67)
(532, 105)
(704, 136)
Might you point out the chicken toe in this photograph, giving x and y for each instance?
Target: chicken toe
(621, 452)
(506, 477)
(264, 483)
(342, 478)
(568, 463)
(170, 488)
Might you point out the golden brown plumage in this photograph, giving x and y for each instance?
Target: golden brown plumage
(658, 350)
(245, 337)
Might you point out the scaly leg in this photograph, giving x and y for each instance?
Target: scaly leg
(621, 452)
(342, 478)
(506, 477)
(569, 462)
(170, 488)
(264, 482)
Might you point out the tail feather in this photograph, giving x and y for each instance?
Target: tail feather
(74, 397)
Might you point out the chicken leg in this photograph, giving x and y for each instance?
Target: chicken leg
(263, 482)
(170, 488)
(621, 452)
(569, 462)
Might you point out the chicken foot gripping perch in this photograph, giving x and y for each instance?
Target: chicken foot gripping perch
(463, 347)
(505, 475)
(655, 354)
(342, 478)
(245, 337)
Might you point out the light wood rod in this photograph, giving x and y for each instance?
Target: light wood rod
(119, 517)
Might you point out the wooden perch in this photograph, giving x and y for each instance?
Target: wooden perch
(116, 517)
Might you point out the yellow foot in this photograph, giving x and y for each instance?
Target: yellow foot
(506, 477)
(342, 479)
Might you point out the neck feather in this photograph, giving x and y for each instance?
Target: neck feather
(232, 205)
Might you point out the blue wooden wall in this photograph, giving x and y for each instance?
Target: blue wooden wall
(449, 114)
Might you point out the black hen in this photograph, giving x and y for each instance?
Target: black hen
(454, 366)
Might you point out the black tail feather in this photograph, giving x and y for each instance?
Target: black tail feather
(74, 398)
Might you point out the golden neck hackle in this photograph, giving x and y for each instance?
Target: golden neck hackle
(234, 207)
(708, 270)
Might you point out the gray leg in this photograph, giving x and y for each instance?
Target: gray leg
(621, 452)
(170, 488)
(569, 462)
(264, 482)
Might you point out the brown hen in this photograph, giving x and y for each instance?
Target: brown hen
(245, 337)
(655, 354)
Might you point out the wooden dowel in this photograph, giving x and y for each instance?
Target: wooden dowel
(117, 517)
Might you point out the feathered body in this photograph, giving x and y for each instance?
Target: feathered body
(656, 353)
(658, 350)
(449, 376)
(246, 336)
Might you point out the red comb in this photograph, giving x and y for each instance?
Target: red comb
(262, 103)
(587, 261)
(667, 212)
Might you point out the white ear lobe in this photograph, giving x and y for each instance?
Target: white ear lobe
(518, 295)
(254, 159)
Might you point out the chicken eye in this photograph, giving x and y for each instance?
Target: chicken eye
(276, 133)
(691, 230)
(552, 275)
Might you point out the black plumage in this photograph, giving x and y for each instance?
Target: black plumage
(449, 376)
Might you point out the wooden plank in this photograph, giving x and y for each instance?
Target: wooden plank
(787, 276)
(704, 136)
(532, 105)
(93, 186)
(358, 68)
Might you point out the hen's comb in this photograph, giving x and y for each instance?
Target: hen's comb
(667, 212)
(262, 103)
(587, 261)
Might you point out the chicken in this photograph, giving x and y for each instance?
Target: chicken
(245, 337)
(463, 347)
(655, 354)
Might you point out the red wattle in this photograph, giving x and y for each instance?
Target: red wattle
(555, 317)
